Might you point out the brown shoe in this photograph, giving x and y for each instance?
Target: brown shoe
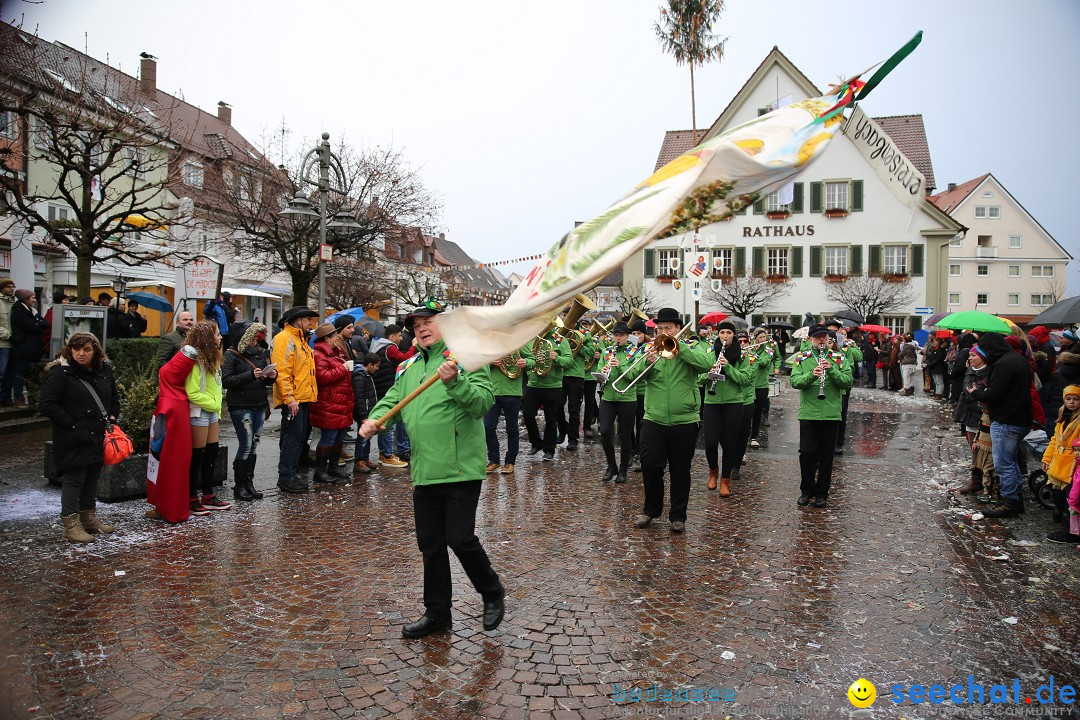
(393, 461)
(73, 530)
(91, 524)
(20, 402)
(362, 466)
(713, 474)
(974, 484)
(507, 468)
(492, 467)
(725, 487)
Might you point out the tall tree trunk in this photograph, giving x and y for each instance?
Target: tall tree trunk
(301, 286)
(84, 260)
(693, 105)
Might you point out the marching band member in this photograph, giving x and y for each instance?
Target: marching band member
(767, 364)
(508, 394)
(573, 394)
(591, 415)
(639, 340)
(853, 357)
(743, 438)
(545, 390)
(722, 416)
(669, 430)
(820, 377)
(615, 405)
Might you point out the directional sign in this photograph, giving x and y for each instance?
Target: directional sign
(924, 311)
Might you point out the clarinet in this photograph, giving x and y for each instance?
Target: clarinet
(717, 373)
(821, 385)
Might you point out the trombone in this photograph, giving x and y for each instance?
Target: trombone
(665, 346)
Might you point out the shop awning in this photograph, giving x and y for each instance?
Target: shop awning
(249, 292)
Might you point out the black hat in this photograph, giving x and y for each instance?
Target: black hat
(295, 313)
(817, 329)
(431, 307)
(726, 325)
(638, 326)
(835, 321)
(670, 315)
(344, 321)
(621, 327)
(832, 335)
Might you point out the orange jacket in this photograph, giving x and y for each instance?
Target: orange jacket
(295, 363)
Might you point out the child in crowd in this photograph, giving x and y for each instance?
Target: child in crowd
(1059, 461)
(365, 399)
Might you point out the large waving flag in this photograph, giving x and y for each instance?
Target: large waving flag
(709, 183)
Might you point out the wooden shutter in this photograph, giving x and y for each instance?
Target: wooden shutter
(917, 259)
(740, 261)
(815, 261)
(875, 259)
(759, 261)
(797, 200)
(796, 261)
(815, 197)
(855, 260)
(759, 207)
(650, 263)
(856, 195)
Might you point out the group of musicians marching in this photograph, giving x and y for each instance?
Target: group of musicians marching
(660, 393)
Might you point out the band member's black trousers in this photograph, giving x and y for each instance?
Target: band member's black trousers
(551, 399)
(842, 431)
(761, 406)
(573, 387)
(742, 438)
(639, 418)
(671, 447)
(445, 515)
(722, 423)
(625, 413)
(591, 416)
(817, 446)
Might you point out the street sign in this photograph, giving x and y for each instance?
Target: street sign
(924, 311)
(326, 253)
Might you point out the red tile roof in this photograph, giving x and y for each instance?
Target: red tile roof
(676, 142)
(948, 200)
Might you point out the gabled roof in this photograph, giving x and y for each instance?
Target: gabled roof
(909, 134)
(481, 279)
(950, 199)
(612, 279)
(676, 143)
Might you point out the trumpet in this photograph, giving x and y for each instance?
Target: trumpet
(717, 373)
(665, 346)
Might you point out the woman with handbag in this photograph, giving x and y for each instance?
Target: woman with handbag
(203, 388)
(79, 397)
(246, 379)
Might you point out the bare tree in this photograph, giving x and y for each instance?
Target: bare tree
(870, 294)
(1055, 287)
(412, 286)
(635, 295)
(743, 296)
(100, 157)
(352, 282)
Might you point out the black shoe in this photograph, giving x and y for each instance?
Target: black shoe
(839, 449)
(678, 526)
(425, 626)
(548, 457)
(559, 440)
(821, 502)
(1064, 537)
(620, 478)
(572, 446)
(536, 449)
(339, 473)
(803, 500)
(241, 492)
(292, 487)
(609, 474)
(321, 476)
(1007, 508)
(252, 458)
(493, 613)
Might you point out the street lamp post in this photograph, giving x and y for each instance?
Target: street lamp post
(301, 206)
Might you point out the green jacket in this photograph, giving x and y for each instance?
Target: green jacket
(765, 359)
(577, 362)
(445, 422)
(502, 386)
(778, 359)
(732, 390)
(554, 378)
(853, 357)
(837, 382)
(672, 393)
(620, 353)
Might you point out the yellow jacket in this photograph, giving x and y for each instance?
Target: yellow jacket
(1059, 453)
(295, 361)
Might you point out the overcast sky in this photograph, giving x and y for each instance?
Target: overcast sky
(525, 117)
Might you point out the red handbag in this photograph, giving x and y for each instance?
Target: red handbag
(117, 445)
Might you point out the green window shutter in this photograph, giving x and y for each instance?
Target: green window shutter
(759, 207)
(797, 321)
(740, 261)
(875, 259)
(797, 200)
(759, 261)
(856, 196)
(914, 323)
(815, 261)
(855, 260)
(917, 252)
(815, 197)
(650, 263)
(756, 320)
(796, 261)
(763, 111)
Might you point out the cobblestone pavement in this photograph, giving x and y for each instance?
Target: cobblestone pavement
(293, 606)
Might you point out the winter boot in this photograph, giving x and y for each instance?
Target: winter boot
(240, 481)
(1007, 508)
(195, 472)
(209, 463)
(334, 470)
(91, 524)
(251, 477)
(974, 484)
(624, 465)
(725, 487)
(73, 530)
(322, 463)
(713, 475)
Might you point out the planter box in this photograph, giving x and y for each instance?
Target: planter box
(127, 480)
(895, 278)
(664, 278)
(835, 278)
(836, 213)
(778, 215)
(777, 278)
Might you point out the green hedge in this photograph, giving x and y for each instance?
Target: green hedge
(134, 362)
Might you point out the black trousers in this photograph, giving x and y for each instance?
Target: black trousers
(638, 419)
(817, 446)
(841, 432)
(625, 413)
(78, 487)
(551, 399)
(721, 427)
(591, 407)
(508, 406)
(445, 516)
(761, 406)
(742, 438)
(670, 446)
(570, 419)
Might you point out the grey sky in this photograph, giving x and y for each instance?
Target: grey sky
(528, 116)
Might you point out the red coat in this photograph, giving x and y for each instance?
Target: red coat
(169, 493)
(334, 408)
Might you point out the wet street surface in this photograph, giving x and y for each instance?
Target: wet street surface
(293, 606)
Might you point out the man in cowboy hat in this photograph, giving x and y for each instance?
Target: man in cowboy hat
(670, 428)
(446, 425)
(294, 390)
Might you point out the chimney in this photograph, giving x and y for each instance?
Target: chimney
(147, 73)
(952, 186)
(224, 112)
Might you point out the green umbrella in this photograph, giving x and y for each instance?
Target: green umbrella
(974, 320)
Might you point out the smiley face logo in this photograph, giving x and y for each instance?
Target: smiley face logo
(862, 693)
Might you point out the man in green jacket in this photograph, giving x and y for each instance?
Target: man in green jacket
(507, 391)
(445, 425)
(615, 405)
(819, 413)
(853, 358)
(545, 389)
(669, 430)
(574, 392)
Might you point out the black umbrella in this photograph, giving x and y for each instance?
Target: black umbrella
(781, 325)
(739, 322)
(1065, 312)
(850, 315)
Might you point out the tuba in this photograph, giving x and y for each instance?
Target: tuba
(508, 365)
(638, 315)
(567, 327)
(541, 351)
(598, 330)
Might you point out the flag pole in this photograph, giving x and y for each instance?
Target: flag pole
(407, 399)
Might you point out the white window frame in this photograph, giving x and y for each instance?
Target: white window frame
(839, 263)
(1041, 299)
(8, 125)
(980, 212)
(995, 212)
(57, 212)
(982, 270)
(39, 133)
(890, 266)
(1015, 274)
(727, 255)
(778, 260)
(1018, 244)
(1009, 299)
(954, 299)
(135, 160)
(896, 323)
(663, 262)
(1039, 271)
(194, 174)
(837, 194)
(959, 269)
(956, 242)
(982, 298)
(773, 204)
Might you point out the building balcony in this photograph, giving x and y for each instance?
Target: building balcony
(986, 252)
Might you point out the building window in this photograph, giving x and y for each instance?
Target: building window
(954, 270)
(722, 262)
(1045, 271)
(836, 196)
(193, 175)
(1015, 242)
(58, 212)
(954, 298)
(1042, 299)
(773, 203)
(1014, 299)
(982, 271)
(135, 160)
(778, 261)
(896, 325)
(992, 212)
(894, 259)
(40, 134)
(7, 125)
(982, 299)
(769, 319)
(956, 242)
(667, 263)
(1014, 271)
(836, 261)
